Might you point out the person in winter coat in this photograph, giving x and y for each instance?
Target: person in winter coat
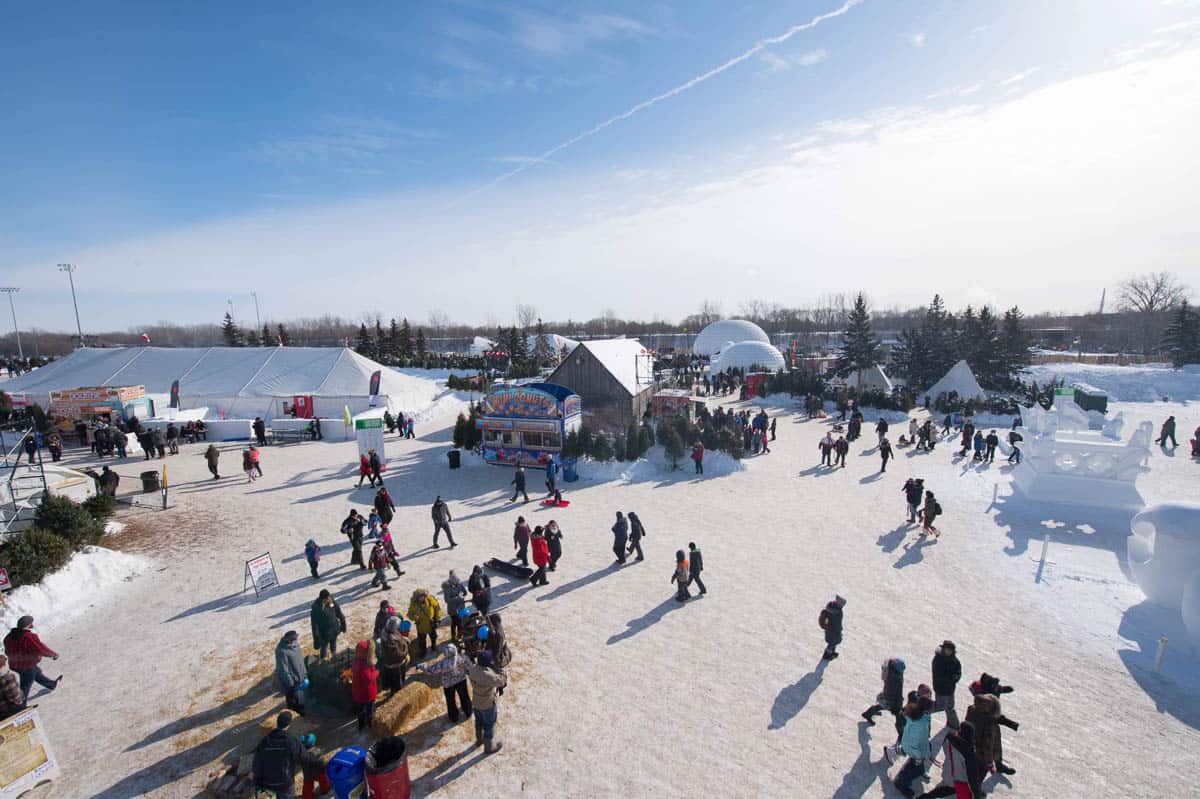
(109, 481)
(441, 521)
(454, 594)
(636, 533)
(881, 428)
(840, 448)
(312, 554)
(25, 651)
(256, 460)
(364, 685)
(773, 420)
(172, 437)
(487, 682)
(426, 614)
(961, 769)
(211, 456)
(451, 673)
(885, 453)
(695, 566)
(385, 612)
(378, 562)
(551, 478)
(914, 742)
(541, 557)
(389, 550)
(968, 436)
(831, 622)
(518, 484)
(260, 431)
(1015, 438)
(277, 758)
(327, 624)
(986, 716)
(248, 465)
(913, 489)
(978, 445)
(891, 698)
(521, 540)
(290, 671)
(364, 470)
(990, 443)
(620, 531)
(554, 539)
(384, 505)
(929, 515)
(393, 653)
(12, 698)
(376, 468)
(913, 430)
(480, 586)
(681, 577)
(825, 445)
(947, 671)
(1167, 431)
(698, 457)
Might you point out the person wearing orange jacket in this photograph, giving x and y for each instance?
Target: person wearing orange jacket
(364, 685)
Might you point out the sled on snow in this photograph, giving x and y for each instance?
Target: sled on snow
(511, 569)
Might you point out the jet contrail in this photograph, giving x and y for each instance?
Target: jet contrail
(760, 45)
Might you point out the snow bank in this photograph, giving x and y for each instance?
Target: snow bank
(655, 466)
(447, 404)
(1146, 383)
(441, 375)
(90, 577)
(868, 414)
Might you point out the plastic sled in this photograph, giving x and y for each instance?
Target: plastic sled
(511, 569)
(562, 503)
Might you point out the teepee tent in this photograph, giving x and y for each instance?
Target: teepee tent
(873, 378)
(960, 380)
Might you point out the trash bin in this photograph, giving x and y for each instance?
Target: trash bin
(345, 772)
(149, 482)
(570, 475)
(387, 769)
(455, 457)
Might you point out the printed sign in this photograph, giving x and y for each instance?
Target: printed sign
(26, 759)
(373, 387)
(260, 572)
(521, 402)
(5, 584)
(368, 432)
(175, 394)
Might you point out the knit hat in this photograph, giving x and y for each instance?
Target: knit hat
(25, 622)
(384, 605)
(291, 635)
(283, 720)
(405, 625)
(485, 658)
(948, 644)
(840, 601)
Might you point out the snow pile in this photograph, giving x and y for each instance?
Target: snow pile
(447, 404)
(1146, 383)
(868, 414)
(89, 578)
(112, 528)
(655, 466)
(959, 380)
(440, 375)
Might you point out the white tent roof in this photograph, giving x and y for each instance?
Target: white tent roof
(224, 373)
(749, 354)
(874, 377)
(620, 357)
(715, 336)
(960, 379)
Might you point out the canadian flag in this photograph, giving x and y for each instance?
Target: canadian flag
(145, 338)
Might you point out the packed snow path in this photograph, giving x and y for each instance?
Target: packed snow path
(619, 690)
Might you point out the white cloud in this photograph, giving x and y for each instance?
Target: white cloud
(916, 39)
(967, 91)
(778, 63)
(1018, 77)
(554, 35)
(1038, 200)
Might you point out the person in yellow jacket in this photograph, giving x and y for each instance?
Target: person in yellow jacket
(425, 612)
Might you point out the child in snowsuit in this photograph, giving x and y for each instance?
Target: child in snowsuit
(929, 514)
(680, 577)
(830, 621)
(521, 540)
(312, 553)
(378, 563)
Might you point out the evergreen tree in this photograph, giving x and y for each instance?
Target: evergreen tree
(252, 338)
(517, 351)
(421, 346)
(925, 354)
(672, 443)
(966, 336)
(231, 332)
(860, 348)
(404, 342)
(1182, 337)
(284, 339)
(363, 345)
(393, 341)
(380, 341)
(988, 363)
(543, 355)
(266, 340)
(1014, 350)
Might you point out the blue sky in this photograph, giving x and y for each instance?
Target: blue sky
(182, 154)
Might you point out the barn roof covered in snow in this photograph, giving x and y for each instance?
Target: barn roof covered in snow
(620, 357)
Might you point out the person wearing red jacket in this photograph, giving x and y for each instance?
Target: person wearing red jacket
(25, 651)
(364, 682)
(541, 557)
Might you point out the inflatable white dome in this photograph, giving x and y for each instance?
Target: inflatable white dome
(746, 355)
(714, 337)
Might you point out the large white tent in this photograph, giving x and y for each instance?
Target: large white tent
(748, 355)
(959, 380)
(234, 382)
(718, 335)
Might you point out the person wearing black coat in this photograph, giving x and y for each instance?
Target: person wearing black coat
(620, 531)
(384, 505)
(277, 758)
(885, 453)
(353, 528)
(260, 431)
(992, 441)
(554, 539)
(960, 748)
(1167, 431)
(832, 624)
(518, 483)
(891, 698)
(695, 566)
(636, 533)
(947, 671)
(440, 513)
(480, 586)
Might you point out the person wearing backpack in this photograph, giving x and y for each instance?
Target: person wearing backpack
(891, 698)
(962, 773)
(830, 620)
(929, 513)
(1015, 438)
(681, 577)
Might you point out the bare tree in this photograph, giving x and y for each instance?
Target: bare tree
(1151, 293)
(439, 320)
(526, 316)
(829, 312)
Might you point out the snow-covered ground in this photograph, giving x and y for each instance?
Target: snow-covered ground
(1145, 383)
(617, 689)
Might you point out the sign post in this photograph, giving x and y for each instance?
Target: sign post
(26, 759)
(260, 572)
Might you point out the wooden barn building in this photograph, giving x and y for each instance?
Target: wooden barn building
(614, 378)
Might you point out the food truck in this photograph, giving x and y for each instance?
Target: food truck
(527, 424)
(675, 402)
(110, 404)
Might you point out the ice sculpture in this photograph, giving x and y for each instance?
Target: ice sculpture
(1164, 556)
(1065, 461)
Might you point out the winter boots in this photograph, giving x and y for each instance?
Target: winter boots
(491, 747)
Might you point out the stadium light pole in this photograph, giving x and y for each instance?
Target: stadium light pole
(11, 290)
(258, 318)
(70, 270)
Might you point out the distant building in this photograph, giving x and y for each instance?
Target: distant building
(613, 377)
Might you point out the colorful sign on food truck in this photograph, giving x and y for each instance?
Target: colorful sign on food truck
(118, 403)
(527, 424)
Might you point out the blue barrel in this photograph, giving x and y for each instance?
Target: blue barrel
(570, 475)
(346, 771)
